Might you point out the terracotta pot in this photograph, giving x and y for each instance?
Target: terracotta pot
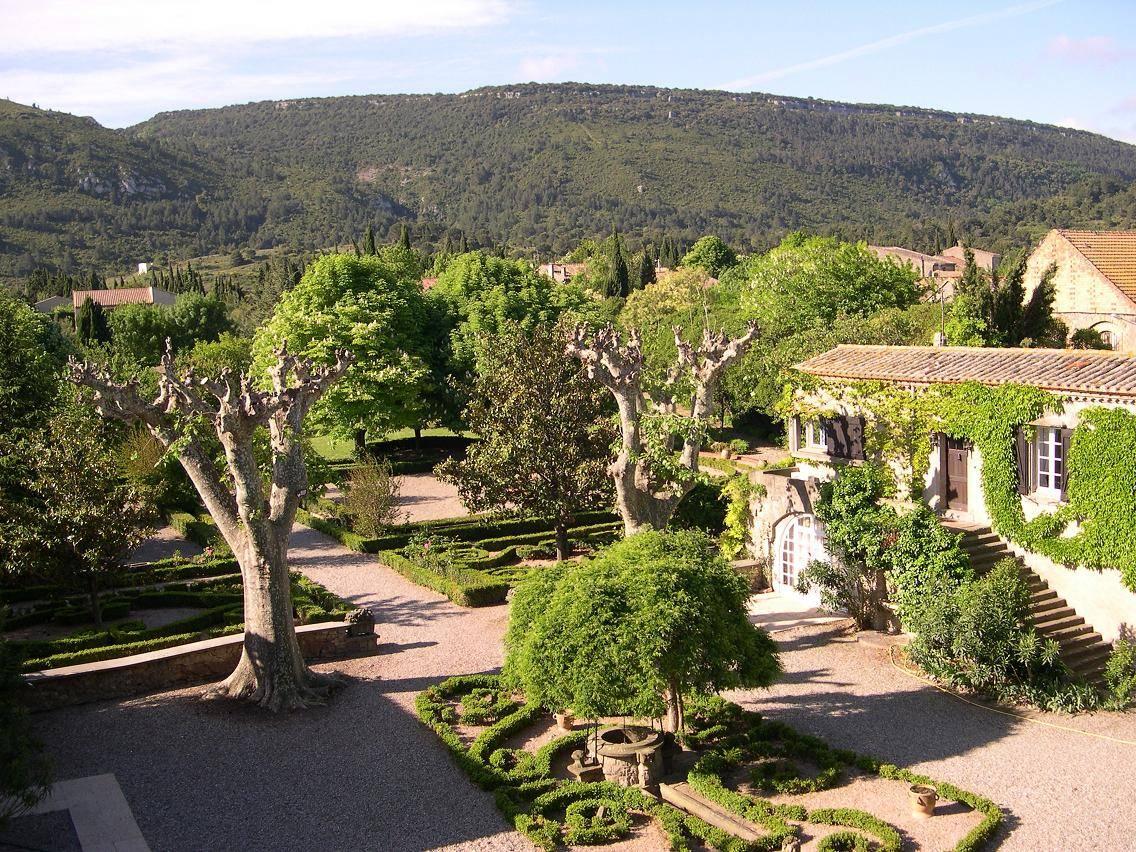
(565, 720)
(923, 799)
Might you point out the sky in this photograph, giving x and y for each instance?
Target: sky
(1067, 62)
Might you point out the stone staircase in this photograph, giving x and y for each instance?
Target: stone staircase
(1082, 649)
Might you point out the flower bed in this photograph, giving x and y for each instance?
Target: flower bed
(552, 812)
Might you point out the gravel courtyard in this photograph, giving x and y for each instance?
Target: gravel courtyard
(362, 773)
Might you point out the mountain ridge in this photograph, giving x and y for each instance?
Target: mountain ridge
(540, 166)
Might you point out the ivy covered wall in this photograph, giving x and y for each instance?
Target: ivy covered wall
(1095, 528)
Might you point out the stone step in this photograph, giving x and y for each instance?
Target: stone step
(1084, 659)
(1066, 635)
(685, 798)
(1039, 609)
(1070, 644)
(1058, 620)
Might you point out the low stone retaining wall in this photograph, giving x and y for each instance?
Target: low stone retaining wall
(182, 665)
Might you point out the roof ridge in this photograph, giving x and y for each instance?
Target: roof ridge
(1000, 350)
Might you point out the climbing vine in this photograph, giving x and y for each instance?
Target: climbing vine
(1102, 477)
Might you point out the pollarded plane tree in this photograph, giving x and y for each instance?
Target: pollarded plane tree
(255, 513)
(649, 480)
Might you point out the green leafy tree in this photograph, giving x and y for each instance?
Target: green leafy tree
(615, 278)
(989, 310)
(139, 332)
(372, 308)
(710, 254)
(807, 282)
(642, 269)
(650, 621)
(1087, 338)
(475, 297)
(856, 529)
(79, 518)
(32, 354)
(545, 433)
(91, 325)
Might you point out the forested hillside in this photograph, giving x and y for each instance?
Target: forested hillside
(539, 167)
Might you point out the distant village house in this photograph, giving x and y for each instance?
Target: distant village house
(1095, 282)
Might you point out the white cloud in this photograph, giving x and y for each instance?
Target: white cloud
(1092, 49)
(889, 42)
(62, 26)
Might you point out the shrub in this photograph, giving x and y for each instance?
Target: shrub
(978, 637)
(1120, 674)
(925, 562)
(739, 446)
(586, 827)
(843, 841)
(371, 497)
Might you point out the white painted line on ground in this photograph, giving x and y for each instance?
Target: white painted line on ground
(100, 813)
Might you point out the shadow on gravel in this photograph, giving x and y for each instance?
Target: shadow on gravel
(361, 772)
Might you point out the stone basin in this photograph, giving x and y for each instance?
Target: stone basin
(631, 756)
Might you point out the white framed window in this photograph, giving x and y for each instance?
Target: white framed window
(1050, 462)
(816, 436)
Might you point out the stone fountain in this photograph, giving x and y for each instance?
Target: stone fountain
(631, 756)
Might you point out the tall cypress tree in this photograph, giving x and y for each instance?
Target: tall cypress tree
(404, 238)
(464, 244)
(369, 247)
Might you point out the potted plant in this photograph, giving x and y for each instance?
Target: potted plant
(565, 719)
(923, 799)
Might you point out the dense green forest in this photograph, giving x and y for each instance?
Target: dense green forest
(538, 167)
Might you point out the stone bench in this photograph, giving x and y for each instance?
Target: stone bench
(181, 665)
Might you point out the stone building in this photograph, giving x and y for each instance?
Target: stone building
(1085, 608)
(1095, 281)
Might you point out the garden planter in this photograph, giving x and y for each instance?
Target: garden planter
(565, 720)
(923, 799)
(725, 454)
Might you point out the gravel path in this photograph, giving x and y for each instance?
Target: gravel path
(360, 773)
(363, 773)
(1063, 790)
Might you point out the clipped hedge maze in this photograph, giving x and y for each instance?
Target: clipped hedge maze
(210, 586)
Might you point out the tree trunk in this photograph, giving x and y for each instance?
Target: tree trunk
(271, 671)
(417, 439)
(563, 551)
(93, 595)
(360, 443)
(675, 721)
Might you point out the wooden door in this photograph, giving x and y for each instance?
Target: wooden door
(957, 467)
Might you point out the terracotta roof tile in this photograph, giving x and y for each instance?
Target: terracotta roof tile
(1112, 252)
(1061, 370)
(113, 298)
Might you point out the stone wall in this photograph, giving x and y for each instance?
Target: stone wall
(1084, 298)
(182, 665)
